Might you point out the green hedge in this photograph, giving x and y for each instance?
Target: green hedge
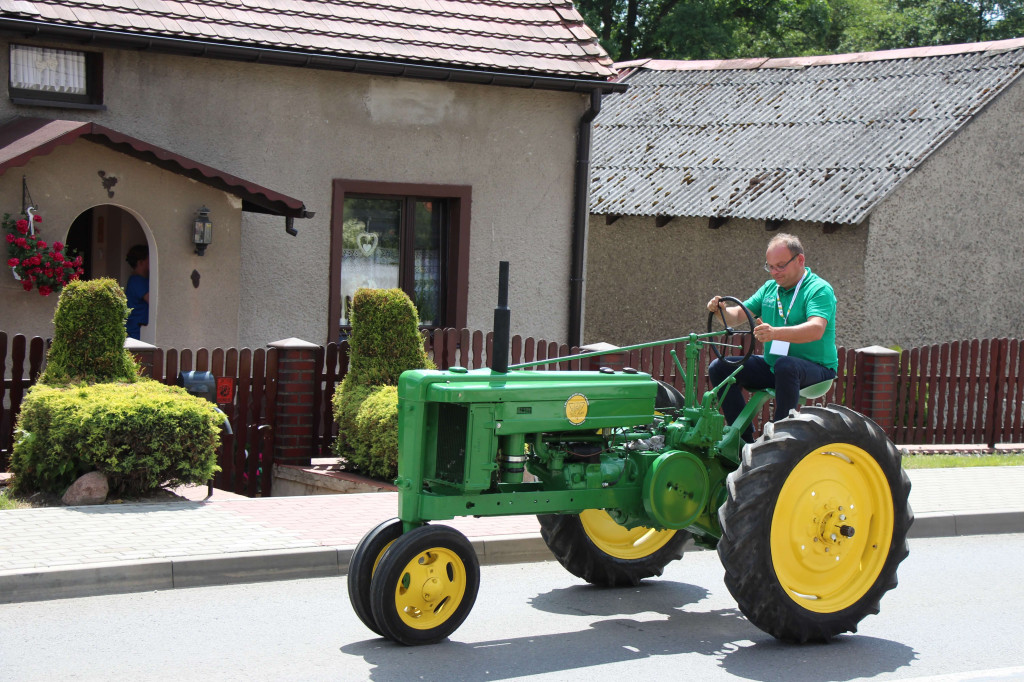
(374, 441)
(385, 342)
(142, 436)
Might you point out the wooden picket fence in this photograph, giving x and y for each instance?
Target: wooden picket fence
(964, 392)
(245, 455)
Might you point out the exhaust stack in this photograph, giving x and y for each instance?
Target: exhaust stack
(502, 316)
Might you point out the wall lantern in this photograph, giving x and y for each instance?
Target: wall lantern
(202, 230)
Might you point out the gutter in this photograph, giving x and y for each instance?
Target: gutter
(245, 53)
(580, 216)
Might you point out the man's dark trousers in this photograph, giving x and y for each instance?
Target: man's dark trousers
(790, 375)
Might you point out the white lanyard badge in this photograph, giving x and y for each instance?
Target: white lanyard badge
(782, 347)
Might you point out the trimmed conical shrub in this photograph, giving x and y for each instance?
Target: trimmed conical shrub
(88, 336)
(385, 342)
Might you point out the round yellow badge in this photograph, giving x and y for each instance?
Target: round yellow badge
(576, 408)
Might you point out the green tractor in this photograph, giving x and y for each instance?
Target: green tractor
(810, 521)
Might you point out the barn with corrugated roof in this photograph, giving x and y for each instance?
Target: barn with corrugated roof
(901, 171)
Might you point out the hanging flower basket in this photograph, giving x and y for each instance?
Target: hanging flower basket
(34, 262)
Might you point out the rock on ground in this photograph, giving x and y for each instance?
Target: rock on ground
(92, 488)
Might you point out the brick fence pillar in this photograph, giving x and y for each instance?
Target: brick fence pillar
(145, 354)
(296, 374)
(610, 356)
(875, 395)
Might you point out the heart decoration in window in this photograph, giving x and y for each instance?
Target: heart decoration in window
(367, 242)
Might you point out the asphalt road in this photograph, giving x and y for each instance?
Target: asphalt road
(955, 617)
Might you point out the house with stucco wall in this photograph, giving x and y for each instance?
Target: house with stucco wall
(901, 171)
(408, 143)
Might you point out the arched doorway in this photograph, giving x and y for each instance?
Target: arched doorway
(102, 235)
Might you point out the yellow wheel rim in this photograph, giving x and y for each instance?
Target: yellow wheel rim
(832, 528)
(380, 554)
(431, 588)
(619, 542)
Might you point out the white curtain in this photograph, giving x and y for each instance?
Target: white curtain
(46, 69)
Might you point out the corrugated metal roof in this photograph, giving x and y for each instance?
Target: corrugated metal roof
(815, 139)
(518, 36)
(24, 138)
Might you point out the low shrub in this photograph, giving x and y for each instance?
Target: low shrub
(142, 436)
(346, 403)
(374, 440)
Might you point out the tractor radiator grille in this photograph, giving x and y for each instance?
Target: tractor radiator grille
(451, 442)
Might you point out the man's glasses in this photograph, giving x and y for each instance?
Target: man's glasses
(779, 268)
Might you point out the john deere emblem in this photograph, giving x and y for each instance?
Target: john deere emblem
(576, 408)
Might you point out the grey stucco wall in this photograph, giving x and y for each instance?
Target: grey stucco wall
(945, 258)
(645, 283)
(65, 183)
(295, 130)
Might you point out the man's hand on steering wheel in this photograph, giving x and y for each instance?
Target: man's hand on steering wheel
(725, 314)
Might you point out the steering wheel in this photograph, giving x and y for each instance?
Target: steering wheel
(740, 337)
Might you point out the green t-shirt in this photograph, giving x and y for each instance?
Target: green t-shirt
(815, 299)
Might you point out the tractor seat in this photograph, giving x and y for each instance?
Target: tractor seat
(809, 392)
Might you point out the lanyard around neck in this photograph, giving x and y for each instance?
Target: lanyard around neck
(778, 299)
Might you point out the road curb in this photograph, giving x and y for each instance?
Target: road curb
(62, 582)
(24, 585)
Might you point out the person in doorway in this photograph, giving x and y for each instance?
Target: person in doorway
(137, 290)
(795, 313)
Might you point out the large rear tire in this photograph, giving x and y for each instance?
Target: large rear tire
(592, 546)
(815, 524)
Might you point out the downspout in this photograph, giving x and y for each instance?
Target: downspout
(580, 217)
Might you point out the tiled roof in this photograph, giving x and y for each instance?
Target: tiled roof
(520, 36)
(819, 139)
(24, 138)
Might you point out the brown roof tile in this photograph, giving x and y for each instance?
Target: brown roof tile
(533, 36)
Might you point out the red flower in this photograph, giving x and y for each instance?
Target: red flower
(40, 264)
(37, 218)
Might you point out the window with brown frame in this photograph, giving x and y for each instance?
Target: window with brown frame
(45, 76)
(413, 237)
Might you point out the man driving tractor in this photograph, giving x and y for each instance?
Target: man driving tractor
(796, 322)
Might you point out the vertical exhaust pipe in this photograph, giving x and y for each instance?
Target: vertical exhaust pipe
(502, 316)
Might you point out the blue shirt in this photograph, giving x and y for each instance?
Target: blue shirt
(134, 291)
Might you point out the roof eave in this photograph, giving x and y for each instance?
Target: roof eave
(254, 197)
(26, 28)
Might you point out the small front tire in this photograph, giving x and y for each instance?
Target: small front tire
(425, 585)
(365, 559)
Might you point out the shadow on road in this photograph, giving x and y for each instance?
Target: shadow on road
(631, 624)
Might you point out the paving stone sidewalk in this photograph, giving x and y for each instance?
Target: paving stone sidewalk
(75, 551)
